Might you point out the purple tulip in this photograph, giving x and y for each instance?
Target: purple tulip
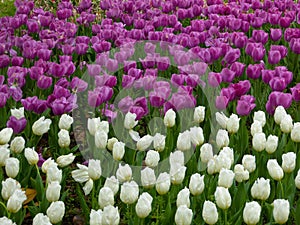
(32, 25)
(221, 102)
(112, 65)
(274, 57)
(78, 85)
(67, 49)
(18, 125)
(163, 63)
(57, 70)
(278, 98)
(276, 34)
(231, 56)
(44, 54)
(245, 105)
(228, 92)
(254, 71)
(260, 36)
(34, 104)
(3, 99)
(240, 88)
(44, 82)
(62, 105)
(278, 84)
(214, 79)
(180, 101)
(267, 75)
(296, 92)
(17, 61)
(227, 75)
(295, 45)
(285, 22)
(238, 68)
(81, 48)
(4, 61)
(136, 73)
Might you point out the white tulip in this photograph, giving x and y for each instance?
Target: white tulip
(222, 119)
(199, 114)
(183, 197)
(259, 142)
(93, 125)
(256, 127)
(210, 212)
(88, 187)
(130, 121)
(206, 152)
(31, 155)
(143, 205)
(56, 212)
(104, 125)
(170, 117)
(110, 215)
(124, 173)
(15, 202)
(226, 177)
(118, 151)
(163, 183)
(222, 138)
(64, 138)
(17, 145)
(152, 158)
(241, 174)
(271, 144)
(212, 165)
(222, 161)
(251, 213)
(281, 210)
(5, 135)
(233, 124)
(159, 142)
(12, 166)
(184, 141)
(183, 215)
(196, 184)
(223, 198)
(96, 217)
(297, 180)
(41, 126)
(227, 151)
(48, 163)
(65, 122)
(4, 155)
(41, 219)
(134, 135)
(197, 136)
(129, 192)
(248, 162)
(261, 189)
(112, 183)
(94, 169)
(261, 117)
(177, 174)
(144, 143)
(111, 142)
(288, 162)
(81, 175)
(295, 133)
(8, 188)
(148, 177)
(65, 160)
(54, 174)
(18, 113)
(286, 124)
(176, 157)
(274, 169)
(5, 221)
(53, 191)
(106, 197)
(279, 114)
(101, 139)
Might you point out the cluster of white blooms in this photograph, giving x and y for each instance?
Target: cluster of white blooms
(64, 125)
(99, 129)
(231, 124)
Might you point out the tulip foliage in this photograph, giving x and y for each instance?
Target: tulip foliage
(150, 112)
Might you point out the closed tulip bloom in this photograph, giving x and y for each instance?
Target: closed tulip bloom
(256, 127)
(169, 119)
(80, 175)
(240, 173)
(199, 114)
(176, 158)
(65, 160)
(152, 158)
(53, 191)
(183, 215)
(281, 210)
(110, 215)
(15, 202)
(129, 192)
(274, 169)
(206, 152)
(233, 124)
(17, 145)
(183, 197)
(65, 122)
(106, 197)
(4, 154)
(261, 189)
(41, 126)
(41, 219)
(104, 125)
(197, 136)
(228, 152)
(286, 124)
(54, 174)
(124, 173)
(130, 121)
(177, 174)
(248, 162)
(144, 143)
(159, 142)
(210, 212)
(143, 205)
(5, 221)
(275, 34)
(64, 138)
(148, 177)
(184, 141)
(8, 188)
(223, 198)
(297, 180)
(94, 169)
(88, 187)
(12, 166)
(226, 177)
(112, 183)
(111, 142)
(196, 184)
(295, 133)
(222, 119)
(163, 183)
(5, 135)
(56, 211)
(93, 125)
(18, 113)
(288, 162)
(259, 142)
(32, 156)
(271, 144)
(96, 217)
(261, 117)
(101, 139)
(279, 114)
(222, 138)
(118, 151)
(251, 213)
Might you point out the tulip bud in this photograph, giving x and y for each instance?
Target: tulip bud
(41, 219)
(14, 203)
(110, 215)
(18, 113)
(256, 127)
(130, 121)
(32, 156)
(144, 143)
(111, 142)
(53, 191)
(286, 124)
(271, 144)
(259, 142)
(248, 162)
(148, 177)
(159, 142)
(261, 117)
(88, 187)
(8, 188)
(222, 119)
(210, 212)
(96, 217)
(143, 205)
(222, 138)
(41, 126)
(56, 211)
(54, 174)
(65, 160)
(118, 151)
(199, 114)
(177, 174)
(288, 162)
(184, 141)
(233, 124)
(124, 173)
(93, 125)
(152, 158)
(80, 175)
(240, 173)
(274, 169)
(4, 155)
(183, 197)
(251, 213)
(281, 210)
(12, 166)
(101, 139)
(196, 184)
(212, 165)
(176, 158)
(170, 117)
(112, 183)
(297, 180)
(64, 138)
(295, 133)
(197, 136)
(261, 189)
(5, 135)
(5, 221)
(163, 183)
(183, 215)
(223, 198)
(279, 114)
(106, 197)
(129, 192)
(206, 152)
(65, 122)
(225, 178)
(94, 169)
(17, 145)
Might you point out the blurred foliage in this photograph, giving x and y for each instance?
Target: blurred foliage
(7, 8)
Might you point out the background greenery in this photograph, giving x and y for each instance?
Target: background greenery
(7, 8)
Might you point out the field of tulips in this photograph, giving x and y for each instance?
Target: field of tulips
(150, 112)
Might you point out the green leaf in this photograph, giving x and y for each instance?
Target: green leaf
(239, 198)
(83, 205)
(297, 217)
(39, 187)
(33, 210)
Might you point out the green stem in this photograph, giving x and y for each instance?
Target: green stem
(225, 217)
(281, 187)
(4, 206)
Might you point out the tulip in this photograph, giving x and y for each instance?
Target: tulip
(197, 136)
(118, 150)
(210, 212)
(256, 127)
(148, 177)
(4, 154)
(48, 163)
(144, 143)
(169, 119)
(41, 126)
(17, 145)
(41, 219)
(15, 201)
(196, 184)
(54, 174)
(240, 173)
(65, 122)
(177, 173)
(130, 121)
(106, 197)
(53, 191)
(259, 142)
(93, 125)
(286, 125)
(143, 206)
(129, 192)
(94, 169)
(297, 180)
(32, 156)
(80, 175)
(111, 142)
(251, 213)
(112, 183)
(101, 139)
(225, 178)
(5, 135)
(281, 211)
(124, 173)
(261, 117)
(223, 198)
(184, 140)
(96, 217)
(222, 119)
(183, 215)
(227, 152)
(295, 133)
(65, 160)
(163, 183)
(199, 114)
(288, 162)
(152, 158)
(88, 187)
(159, 142)
(206, 152)
(279, 114)
(110, 215)
(248, 162)
(12, 166)
(8, 188)
(233, 124)
(222, 138)
(261, 189)
(64, 138)
(271, 144)
(56, 211)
